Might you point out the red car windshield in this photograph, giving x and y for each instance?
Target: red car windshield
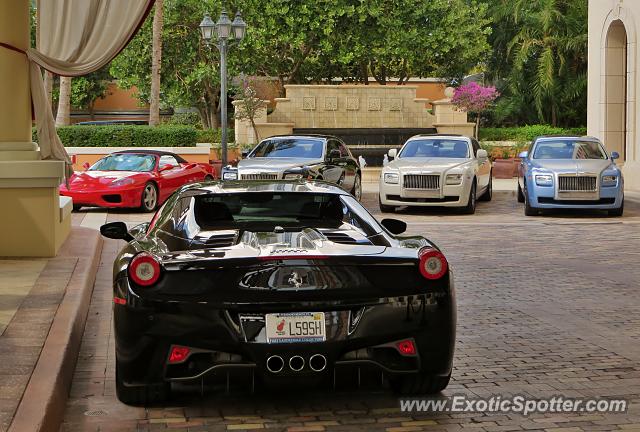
(125, 162)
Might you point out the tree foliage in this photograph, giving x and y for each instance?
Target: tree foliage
(539, 60)
(315, 41)
(190, 70)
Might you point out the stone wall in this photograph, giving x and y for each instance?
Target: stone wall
(352, 106)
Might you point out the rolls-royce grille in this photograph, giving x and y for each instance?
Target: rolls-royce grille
(421, 181)
(577, 184)
(261, 176)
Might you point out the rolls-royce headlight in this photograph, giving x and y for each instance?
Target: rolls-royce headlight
(230, 175)
(544, 180)
(454, 179)
(609, 180)
(391, 178)
(293, 176)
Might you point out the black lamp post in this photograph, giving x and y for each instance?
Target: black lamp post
(223, 34)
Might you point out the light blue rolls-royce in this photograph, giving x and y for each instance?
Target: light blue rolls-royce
(563, 172)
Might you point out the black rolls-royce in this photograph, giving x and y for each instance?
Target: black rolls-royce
(310, 157)
(281, 282)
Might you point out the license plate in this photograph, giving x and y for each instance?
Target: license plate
(295, 327)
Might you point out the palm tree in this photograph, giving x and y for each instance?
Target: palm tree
(63, 118)
(545, 42)
(156, 64)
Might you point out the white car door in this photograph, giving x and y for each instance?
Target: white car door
(483, 170)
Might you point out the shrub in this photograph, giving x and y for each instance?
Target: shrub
(526, 133)
(185, 119)
(127, 136)
(214, 135)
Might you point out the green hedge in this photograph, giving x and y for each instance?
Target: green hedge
(127, 136)
(526, 133)
(214, 136)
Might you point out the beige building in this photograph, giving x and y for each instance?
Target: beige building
(614, 84)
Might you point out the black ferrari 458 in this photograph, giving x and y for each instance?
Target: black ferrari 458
(287, 282)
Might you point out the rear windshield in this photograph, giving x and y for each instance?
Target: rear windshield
(263, 211)
(569, 149)
(436, 148)
(289, 148)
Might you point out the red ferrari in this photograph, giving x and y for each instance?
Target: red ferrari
(134, 178)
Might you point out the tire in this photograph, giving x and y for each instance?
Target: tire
(76, 207)
(488, 194)
(528, 209)
(149, 200)
(385, 208)
(208, 178)
(141, 395)
(520, 194)
(617, 212)
(470, 208)
(419, 384)
(357, 188)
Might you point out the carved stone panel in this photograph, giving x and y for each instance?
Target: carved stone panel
(353, 103)
(395, 104)
(375, 104)
(331, 103)
(309, 103)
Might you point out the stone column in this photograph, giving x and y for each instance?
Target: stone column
(34, 221)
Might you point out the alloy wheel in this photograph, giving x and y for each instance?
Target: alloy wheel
(149, 197)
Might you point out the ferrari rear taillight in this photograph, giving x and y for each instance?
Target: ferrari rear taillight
(433, 264)
(144, 269)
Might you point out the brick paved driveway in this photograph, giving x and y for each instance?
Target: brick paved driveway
(546, 306)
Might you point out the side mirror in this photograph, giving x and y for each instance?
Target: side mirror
(523, 155)
(615, 155)
(334, 154)
(393, 153)
(167, 168)
(116, 231)
(482, 155)
(86, 166)
(394, 226)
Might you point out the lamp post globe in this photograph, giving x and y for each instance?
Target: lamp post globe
(207, 28)
(239, 27)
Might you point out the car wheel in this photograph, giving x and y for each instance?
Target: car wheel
(419, 383)
(470, 208)
(149, 198)
(488, 194)
(141, 395)
(520, 194)
(617, 212)
(385, 208)
(357, 188)
(528, 209)
(208, 178)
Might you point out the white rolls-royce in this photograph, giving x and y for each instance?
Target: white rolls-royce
(436, 170)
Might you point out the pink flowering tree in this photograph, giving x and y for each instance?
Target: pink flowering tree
(474, 98)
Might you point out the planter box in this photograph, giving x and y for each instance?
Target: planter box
(505, 168)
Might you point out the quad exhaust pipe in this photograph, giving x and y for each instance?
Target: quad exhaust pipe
(317, 363)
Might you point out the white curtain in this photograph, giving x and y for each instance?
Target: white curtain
(77, 37)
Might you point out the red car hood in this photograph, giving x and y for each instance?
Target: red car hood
(100, 179)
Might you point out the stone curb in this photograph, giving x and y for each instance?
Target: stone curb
(43, 403)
